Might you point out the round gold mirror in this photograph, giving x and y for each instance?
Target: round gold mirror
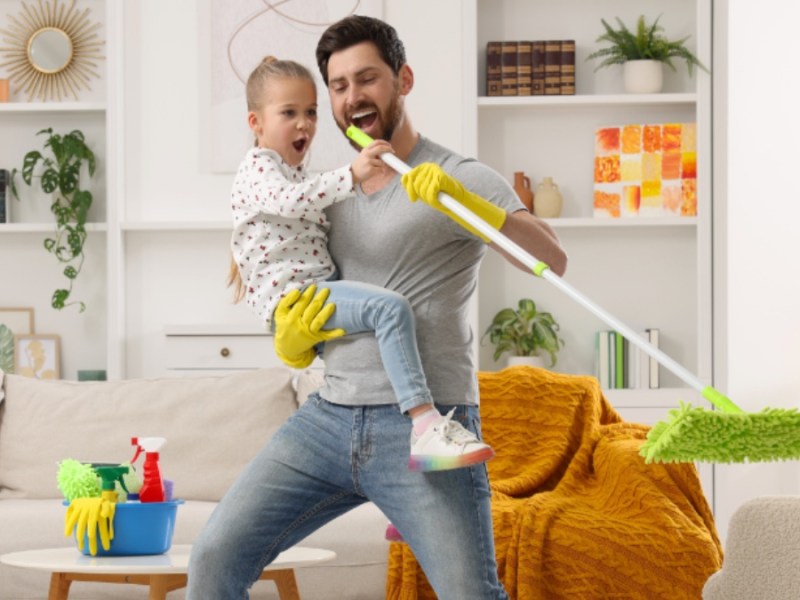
(51, 49)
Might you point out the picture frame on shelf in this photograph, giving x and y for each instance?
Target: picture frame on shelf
(37, 356)
(13, 321)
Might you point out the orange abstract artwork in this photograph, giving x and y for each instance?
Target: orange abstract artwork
(646, 170)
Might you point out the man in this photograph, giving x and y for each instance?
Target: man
(348, 444)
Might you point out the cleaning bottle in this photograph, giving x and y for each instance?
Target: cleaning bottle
(152, 485)
(109, 476)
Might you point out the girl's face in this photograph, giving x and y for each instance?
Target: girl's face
(287, 121)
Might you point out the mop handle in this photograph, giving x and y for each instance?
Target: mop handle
(542, 270)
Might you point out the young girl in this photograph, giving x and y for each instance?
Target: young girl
(280, 243)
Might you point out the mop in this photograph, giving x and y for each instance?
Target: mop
(690, 434)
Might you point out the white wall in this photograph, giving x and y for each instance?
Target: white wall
(759, 290)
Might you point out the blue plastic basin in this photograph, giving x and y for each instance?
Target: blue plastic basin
(140, 528)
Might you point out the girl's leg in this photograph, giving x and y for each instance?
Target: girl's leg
(436, 443)
(361, 308)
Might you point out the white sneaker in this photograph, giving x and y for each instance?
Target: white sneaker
(446, 445)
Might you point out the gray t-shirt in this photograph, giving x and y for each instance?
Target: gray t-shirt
(410, 248)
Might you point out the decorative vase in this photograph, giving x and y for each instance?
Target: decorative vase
(531, 361)
(548, 200)
(522, 185)
(643, 76)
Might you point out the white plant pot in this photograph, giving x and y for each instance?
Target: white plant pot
(542, 362)
(643, 76)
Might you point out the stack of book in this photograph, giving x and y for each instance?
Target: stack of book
(623, 365)
(530, 68)
(3, 203)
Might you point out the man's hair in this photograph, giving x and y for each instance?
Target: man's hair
(355, 29)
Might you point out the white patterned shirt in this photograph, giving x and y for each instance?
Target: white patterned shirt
(280, 232)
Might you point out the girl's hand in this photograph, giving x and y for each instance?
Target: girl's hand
(368, 163)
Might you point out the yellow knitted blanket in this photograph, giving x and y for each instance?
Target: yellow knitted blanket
(577, 513)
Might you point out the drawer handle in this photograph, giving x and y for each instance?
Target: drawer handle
(225, 352)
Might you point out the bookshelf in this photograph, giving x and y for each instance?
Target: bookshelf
(648, 272)
(30, 273)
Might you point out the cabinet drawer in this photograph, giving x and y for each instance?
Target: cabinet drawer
(220, 352)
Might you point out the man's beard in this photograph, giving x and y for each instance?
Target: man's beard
(388, 121)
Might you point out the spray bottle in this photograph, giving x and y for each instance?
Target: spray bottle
(109, 477)
(152, 485)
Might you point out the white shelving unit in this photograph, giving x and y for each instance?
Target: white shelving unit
(664, 99)
(554, 136)
(29, 273)
(648, 272)
(52, 108)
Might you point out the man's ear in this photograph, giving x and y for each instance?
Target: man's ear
(406, 79)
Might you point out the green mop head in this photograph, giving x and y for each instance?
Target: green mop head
(77, 480)
(694, 434)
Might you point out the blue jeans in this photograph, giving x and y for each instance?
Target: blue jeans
(361, 307)
(327, 459)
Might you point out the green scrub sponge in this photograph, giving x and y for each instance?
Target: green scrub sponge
(77, 480)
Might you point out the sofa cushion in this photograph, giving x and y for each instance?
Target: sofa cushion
(213, 427)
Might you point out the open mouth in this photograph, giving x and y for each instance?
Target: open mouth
(300, 144)
(364, 119)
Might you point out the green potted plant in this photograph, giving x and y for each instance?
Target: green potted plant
(525, 331)
(60, 176)
(642, 53)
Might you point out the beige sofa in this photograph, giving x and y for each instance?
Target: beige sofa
(213, 426)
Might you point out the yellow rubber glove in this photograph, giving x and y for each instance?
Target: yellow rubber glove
(299, 319)
(87, 516)
(425, 181)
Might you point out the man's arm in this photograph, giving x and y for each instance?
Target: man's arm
(425, 181)
(535, 236)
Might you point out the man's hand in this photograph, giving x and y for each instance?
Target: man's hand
(299, 319)
(425, 181)
(87, 516)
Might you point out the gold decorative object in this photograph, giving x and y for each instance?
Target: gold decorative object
(53, 49)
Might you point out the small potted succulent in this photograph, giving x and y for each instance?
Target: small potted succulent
(642, 53)
(525, 332)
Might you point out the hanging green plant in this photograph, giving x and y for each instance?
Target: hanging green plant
(59, 175)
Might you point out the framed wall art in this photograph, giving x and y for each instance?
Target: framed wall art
(646, 170)
(37, 356)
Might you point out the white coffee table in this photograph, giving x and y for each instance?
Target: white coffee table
(162, 573)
